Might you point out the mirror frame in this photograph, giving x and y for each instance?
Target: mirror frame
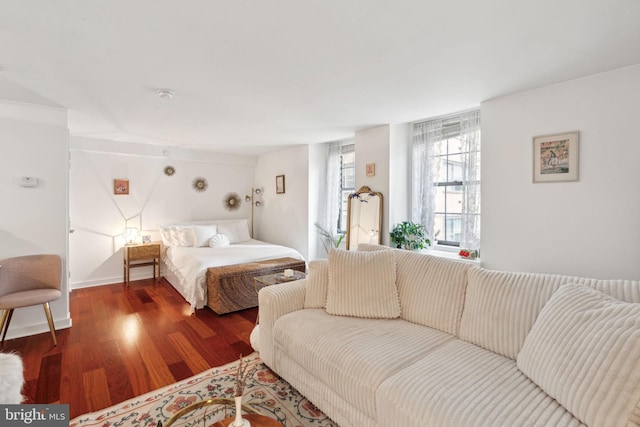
(363, 190)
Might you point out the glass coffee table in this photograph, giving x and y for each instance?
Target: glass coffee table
(260, 282)
(277, 278)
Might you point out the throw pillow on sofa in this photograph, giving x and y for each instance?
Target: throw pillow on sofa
(584, 351)
(363, 284)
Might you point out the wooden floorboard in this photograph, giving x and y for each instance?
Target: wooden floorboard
(126, 341)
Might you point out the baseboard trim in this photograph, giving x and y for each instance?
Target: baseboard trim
(108, 281)
(37, 328)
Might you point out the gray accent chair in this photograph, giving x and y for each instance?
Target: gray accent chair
(26, 281)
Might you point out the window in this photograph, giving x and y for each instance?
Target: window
(448, 207)
(446, 179)
(347, 183)
(340, 182)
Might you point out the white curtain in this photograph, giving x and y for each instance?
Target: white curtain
(470, 139)
(330, 209)
(425, 173)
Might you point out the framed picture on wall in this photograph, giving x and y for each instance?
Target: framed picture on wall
(371, 169)
(555, 157)
(120, 186)
(280, 184)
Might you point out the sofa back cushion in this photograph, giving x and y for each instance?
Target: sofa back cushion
(431, 289)
(371, 247)
(584, 351)
(624, 290)
(501, 307)
(362, 284)
(317, 285)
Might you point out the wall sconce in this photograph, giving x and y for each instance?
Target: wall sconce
(131, 235)
(255, 193)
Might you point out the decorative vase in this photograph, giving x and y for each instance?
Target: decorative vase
(239, 421)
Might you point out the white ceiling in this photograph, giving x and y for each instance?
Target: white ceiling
(249, 76)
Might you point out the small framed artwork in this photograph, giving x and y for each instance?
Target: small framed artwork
(280, 184)
(371, 169)
(555, 157)
(146, 239)
(120, 186)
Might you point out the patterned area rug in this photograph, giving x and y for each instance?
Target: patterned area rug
(264, 391)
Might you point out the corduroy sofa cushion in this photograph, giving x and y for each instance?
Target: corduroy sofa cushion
(317, 284)
(352, 355)
(584, 351)
(501, 307)
(461, 384)
(431, 289)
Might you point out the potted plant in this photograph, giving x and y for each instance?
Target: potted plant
(409, 235)
(329, 240)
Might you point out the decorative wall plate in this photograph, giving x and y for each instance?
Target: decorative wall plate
(231, 201)
(200, 184)
(169, 170)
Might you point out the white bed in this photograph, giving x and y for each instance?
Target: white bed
(186, 262)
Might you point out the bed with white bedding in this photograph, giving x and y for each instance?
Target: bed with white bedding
(191, 249)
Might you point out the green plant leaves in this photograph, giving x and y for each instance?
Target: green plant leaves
(409, 235)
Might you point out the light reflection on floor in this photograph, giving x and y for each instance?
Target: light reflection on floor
(131, 329)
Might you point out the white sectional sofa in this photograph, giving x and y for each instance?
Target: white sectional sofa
(397, 338)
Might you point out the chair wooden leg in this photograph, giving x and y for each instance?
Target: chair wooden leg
(47, 311)
(7, 313)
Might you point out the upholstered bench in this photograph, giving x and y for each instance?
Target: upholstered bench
(232, 288)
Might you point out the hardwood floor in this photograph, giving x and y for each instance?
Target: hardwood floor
(125, 342)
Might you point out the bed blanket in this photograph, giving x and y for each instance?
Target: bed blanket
(190, 264)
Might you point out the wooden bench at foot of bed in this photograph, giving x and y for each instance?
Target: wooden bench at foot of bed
(231, 287)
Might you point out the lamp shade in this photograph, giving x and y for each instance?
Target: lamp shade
(131, 235)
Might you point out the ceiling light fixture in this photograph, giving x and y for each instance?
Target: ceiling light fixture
(165, 93)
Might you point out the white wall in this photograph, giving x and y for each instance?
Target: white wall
(317, 190)
(587, 228)
(372, 146)
(98, 217)
(34, 142)
(284, 218)
(399, 200)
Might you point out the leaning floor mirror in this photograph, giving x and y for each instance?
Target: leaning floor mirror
(364, 217)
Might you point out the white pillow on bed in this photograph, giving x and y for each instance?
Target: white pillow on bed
(183, 236)
(219, 241)
(167, 239)
(203, 233)
(236, 231)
